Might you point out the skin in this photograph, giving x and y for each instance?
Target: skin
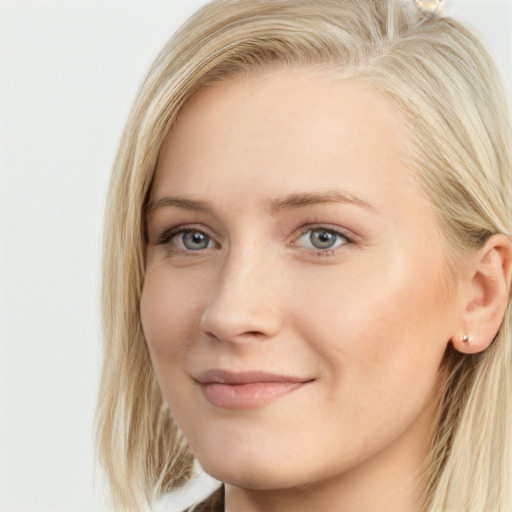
(367, 322)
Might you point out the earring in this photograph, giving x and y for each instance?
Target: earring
(466, 338)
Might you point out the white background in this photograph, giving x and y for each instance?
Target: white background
(68, 73)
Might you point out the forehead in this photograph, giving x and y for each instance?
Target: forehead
(285, 131)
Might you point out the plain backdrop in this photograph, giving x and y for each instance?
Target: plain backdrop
(68, 73)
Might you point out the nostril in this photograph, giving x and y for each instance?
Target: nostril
(237, 316)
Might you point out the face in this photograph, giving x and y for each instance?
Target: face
(295, 302)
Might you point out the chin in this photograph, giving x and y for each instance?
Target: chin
(251, 478)
(232, 467)
(234, 463)
(254, 470)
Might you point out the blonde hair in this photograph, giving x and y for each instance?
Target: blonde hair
(446, 87)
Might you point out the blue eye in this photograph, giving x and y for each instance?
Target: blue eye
(321, 238)
(191, 241)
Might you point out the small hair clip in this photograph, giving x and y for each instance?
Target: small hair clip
(429, 8)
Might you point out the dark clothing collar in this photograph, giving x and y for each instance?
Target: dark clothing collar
(214, 503)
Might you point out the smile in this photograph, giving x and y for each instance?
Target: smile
(248, 390)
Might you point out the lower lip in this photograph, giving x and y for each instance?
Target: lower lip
(247, 396)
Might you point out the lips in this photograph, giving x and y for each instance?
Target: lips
(246, 390)
(251, 377)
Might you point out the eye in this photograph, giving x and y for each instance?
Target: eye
(190, 240)
(321, 238)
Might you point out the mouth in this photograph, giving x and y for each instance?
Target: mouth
(246, 390)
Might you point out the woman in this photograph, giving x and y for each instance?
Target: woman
(308, 264)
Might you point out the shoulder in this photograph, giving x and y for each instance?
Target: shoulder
(213, 503)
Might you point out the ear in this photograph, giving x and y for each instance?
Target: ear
(486, 294)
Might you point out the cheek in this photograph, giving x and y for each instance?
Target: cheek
(376, 325)
(170, 320)
(169, 314)
(381, 338)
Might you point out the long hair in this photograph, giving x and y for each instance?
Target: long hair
(446, 87)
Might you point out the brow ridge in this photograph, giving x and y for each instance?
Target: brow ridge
(290, 202)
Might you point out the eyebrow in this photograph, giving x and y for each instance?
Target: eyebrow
(310, 198)
(177, 202)
(293, 201)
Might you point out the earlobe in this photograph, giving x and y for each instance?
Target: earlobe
(487, 295)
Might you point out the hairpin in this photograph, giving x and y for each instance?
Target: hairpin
(429, 8)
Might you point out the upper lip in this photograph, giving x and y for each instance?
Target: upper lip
(217, 376)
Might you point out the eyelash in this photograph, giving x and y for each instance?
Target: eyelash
(328, 252)
(167, 236)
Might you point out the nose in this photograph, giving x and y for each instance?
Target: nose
(244, 303)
